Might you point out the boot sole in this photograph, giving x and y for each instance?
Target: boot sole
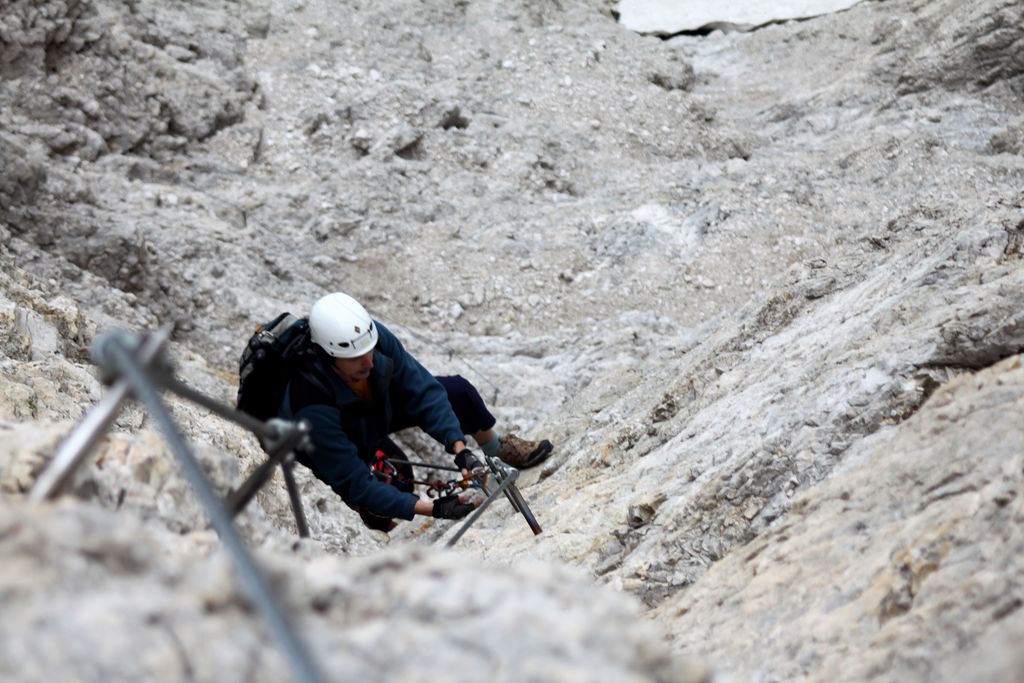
(539, 454)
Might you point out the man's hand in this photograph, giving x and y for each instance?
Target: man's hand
(452, 507)
(467, 462)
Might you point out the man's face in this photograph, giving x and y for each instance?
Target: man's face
(354, 369)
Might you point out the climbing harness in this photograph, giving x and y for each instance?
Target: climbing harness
(138, 368)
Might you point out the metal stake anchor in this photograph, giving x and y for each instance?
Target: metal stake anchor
(506, 476)
(125, 359)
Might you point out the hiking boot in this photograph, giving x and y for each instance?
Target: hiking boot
(522, 454)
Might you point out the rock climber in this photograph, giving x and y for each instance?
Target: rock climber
(362, 386)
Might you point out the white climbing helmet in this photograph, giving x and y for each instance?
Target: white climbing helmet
(341, 326)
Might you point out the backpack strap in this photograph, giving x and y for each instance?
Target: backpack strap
(317, 388)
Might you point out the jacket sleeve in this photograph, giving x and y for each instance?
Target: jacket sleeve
(336, 463)
(419, 394)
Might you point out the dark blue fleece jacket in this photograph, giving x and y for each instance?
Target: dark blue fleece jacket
(346, 430)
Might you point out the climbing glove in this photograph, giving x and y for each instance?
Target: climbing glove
(465, 460)
(450, 507)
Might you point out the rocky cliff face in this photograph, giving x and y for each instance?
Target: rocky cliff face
(762, 289)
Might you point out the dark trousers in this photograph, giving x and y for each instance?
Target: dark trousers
(466, 402)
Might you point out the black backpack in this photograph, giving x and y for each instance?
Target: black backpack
(272, 356)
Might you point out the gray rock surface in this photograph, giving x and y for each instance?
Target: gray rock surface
(140, 604)
(761, 289)
(913, 594)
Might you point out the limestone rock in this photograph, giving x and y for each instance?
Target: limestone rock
(914, 565)
(128, 606)
(732, 276)
(972, 46)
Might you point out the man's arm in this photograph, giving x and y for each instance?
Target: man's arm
(421, 395)
(335, 461)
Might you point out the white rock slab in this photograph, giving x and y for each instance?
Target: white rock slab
(673, 16)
